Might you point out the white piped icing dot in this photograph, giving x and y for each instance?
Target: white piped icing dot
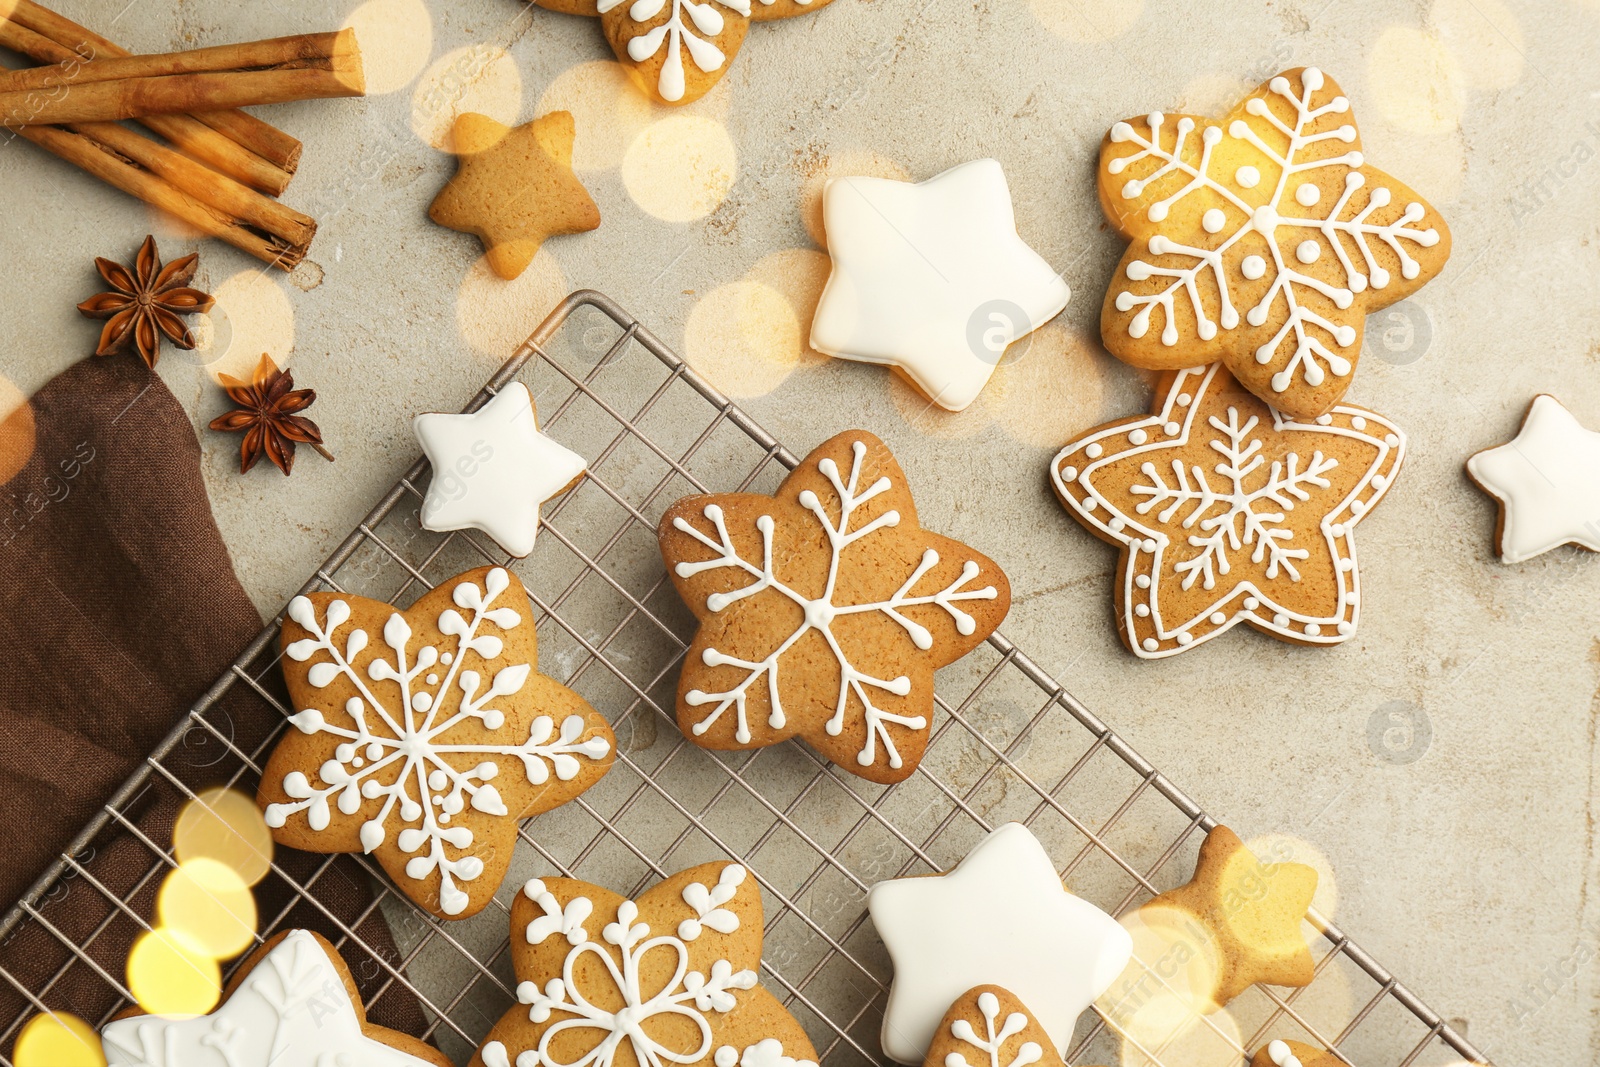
(1213, 220)
(1088, 503)
(1185, 638)
(1313, 630)
(1138, 437)
(1347, 628)
(1141, 610)
(1391, 440)
(1251, 603)
(1324, 420)
(1337, 529)
(1347, 564)
(1094, 450)
(1184, 400)
(1352, 597)
(1142, 581)
(1117, 523)
(1218, 618)
(1149, 544)
(1379, 481)
(1247, 177)
(1308, 251)
(726, 1056)
(1307, 195)
(1253, 267)
(1171, 429)
(1280, 619)
(1150, 644)
(1358, 506)
(1069, 474)
(1358, 423)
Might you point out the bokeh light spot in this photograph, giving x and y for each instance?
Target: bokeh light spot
(57, 1039)
(680, 168)
(1087, 23)
(1416, 83)
(480, 78)
(606, 107)
(224, 825)
(207, 906)
(1485, 37)
(396, 38)
(1286, 848)
(1170, 981)
(744, 337)
(1053, 389)
(258, 318)
(167, 977)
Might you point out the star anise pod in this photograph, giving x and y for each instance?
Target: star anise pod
(145, 303)
(265, 412)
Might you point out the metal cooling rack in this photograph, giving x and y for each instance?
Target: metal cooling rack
(1011, 743)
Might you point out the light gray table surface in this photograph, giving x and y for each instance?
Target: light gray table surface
(1468, 870)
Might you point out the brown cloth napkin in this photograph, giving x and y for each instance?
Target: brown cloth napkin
(119, 607)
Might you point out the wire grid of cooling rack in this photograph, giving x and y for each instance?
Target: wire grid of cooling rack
(1009, 742)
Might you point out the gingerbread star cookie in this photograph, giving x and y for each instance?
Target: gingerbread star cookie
(824, 610)
(1293, 1054)
(1228, 511)
(514, 187)
(422, 736)
(1547, 480)
(292, 1002)
(676, 50)
(1252, 911)
(671, 978)
(989, 1026)
(1262, 239)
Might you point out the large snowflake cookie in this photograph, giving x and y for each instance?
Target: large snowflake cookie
(1229, 511)
(1547, 480)
(668, 979)
(1262, 240)
(989, 1026)
(293, 1002)
(824, 610)
(422, 736)
(676, 50)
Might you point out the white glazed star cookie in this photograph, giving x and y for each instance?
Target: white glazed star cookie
(1547, 480)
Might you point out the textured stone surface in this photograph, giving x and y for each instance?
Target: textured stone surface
(1467, 870)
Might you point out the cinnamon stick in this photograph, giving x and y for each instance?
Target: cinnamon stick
(301, 50)
(103, 160)
(276, 150)
(129, 98)
(191, 135)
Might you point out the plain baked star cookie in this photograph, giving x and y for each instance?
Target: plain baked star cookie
(1229, 512)
(513, 188)
(1547, 480)
(1001, 917)
(292, 1002)
(1252, 911)
(989, 1026)
(669, 979)
(422, 736)
(824, 610)
(931, 278)
(1263, 239)
(676, 50)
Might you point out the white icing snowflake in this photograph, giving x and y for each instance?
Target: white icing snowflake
(993, 1040)
(678, 36)
(1296, 225)
(818, 613)
(404, 752)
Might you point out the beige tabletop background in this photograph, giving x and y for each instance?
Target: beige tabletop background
(1442, 762)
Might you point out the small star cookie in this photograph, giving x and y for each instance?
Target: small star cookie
(514, 187)
(1252, 910)
(1547, 480)
(671, 978)
(989, 1026)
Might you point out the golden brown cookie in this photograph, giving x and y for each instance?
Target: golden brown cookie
(671, 978)
(1229, 512)
(293, 1001)
(423, 736)
(1252, 911)
(1262, 239)
(676, 50)
(514, 187)
(824, 610)
(1293, 1054)
(988, 1026)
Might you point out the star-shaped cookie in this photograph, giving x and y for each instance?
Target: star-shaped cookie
(931, 278)
(989, 1026)
(514, 187)
(1229, 512)
(1252, 910)
(292, 1002)
(493, 468)
(1002, 917)
(1262, 239)
(668, 980)
(1547, 480)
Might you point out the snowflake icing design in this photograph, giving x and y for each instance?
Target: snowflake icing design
(1205, 517)
(993, 1040)
(679, 36)
(843, 530)
(1270, 223)
(407, 754)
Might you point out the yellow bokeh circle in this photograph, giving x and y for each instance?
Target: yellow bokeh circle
(482, 78)
(680, 168)
(224, 825)
(396, 37)
(57, 1039)
(167, 977)
(208, 907)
